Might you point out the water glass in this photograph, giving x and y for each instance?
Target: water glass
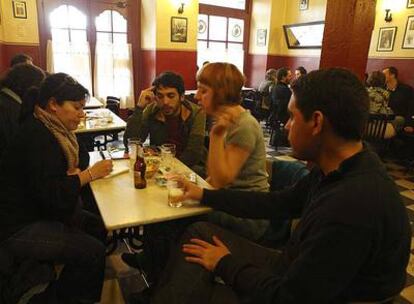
(133, 143)
(174, 192)
(167, 154)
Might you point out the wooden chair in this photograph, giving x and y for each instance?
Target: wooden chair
(374, 132)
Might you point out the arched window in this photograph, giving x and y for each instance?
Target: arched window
(113, 59)
(69, 51)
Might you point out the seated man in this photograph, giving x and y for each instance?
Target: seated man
(163, 113)
(353, 241)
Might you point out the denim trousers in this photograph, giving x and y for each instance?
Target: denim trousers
(183, 282)
(81, 253)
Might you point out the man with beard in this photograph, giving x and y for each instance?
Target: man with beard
(163, 113)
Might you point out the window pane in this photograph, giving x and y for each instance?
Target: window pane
(78, 36)
(119, 22)
(60, 35)
(77, 19)
(218, 28)
(235, 46)
(236, 30)
(103, 22)
(202, 26)
(59, 17)
(103, 37)
(120, 38)
(239, 4)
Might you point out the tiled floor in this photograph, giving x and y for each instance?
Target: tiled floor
(122, 279)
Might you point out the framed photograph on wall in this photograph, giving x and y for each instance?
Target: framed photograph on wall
(19, 10)
(303, 5)
(386, 39)
(408, 42)
(261, 37)
(410, 3)
(178, 29)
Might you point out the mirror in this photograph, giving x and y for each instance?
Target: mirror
(304, 35)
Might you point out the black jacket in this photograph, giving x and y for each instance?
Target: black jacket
(280, 100)
(33, 181)
(352, 243)
(402, 101)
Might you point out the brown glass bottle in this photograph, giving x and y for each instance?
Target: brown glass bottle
(139, 169)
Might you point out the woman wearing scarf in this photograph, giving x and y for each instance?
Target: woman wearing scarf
(41, 176)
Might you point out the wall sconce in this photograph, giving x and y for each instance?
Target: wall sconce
(388, 15)
(181, 8)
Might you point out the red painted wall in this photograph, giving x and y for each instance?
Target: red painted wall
(255, 69)
(8, 51)
(147, 72)
(405, 67)
(2, 64)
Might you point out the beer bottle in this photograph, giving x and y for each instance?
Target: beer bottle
(139, 169)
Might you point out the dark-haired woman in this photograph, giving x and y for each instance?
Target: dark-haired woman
(13, 88)
(41, 176)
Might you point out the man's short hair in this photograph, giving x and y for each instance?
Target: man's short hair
(302, 70)
(170, 80)
(281, 73)
(339, 95)
(20, 58)
(393, 70)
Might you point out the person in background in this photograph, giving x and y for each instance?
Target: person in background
(353, 240)
(13, 87)
(237, 156)
(300, 71)
(41, 175)
(266, 86)
(163, 113)
(280, 95)
(21, 58)
(401, 99)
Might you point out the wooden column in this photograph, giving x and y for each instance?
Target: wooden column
(347, 36)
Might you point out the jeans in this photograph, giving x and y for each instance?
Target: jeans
(82, 255)
(183, 282)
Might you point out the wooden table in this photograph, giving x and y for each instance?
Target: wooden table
(93, 103)
(123, 206)
(97, 122)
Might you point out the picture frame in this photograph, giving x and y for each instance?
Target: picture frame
(408, 41)
(304, 35)
(19, 10)
(261, 37)
(179, 29)
(303, 5)
(386, 39)
(410, 3)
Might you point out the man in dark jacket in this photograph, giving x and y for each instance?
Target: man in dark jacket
(353, 240)
(281, 95)
(163, 113)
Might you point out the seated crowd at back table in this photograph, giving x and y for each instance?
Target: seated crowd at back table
(353, 240)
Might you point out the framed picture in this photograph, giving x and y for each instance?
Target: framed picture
(19, 10)
(410, 3)
(178, 29)
(408, 42)
(261, 37)
(304, 35)
(386, 39)
(303, 5)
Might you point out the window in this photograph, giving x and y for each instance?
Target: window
(69, 52)
(220, 39)
(237, 4)
(113, 59)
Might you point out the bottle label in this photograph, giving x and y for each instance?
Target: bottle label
(137, 175)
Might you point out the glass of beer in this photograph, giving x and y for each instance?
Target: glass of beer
(174, 194)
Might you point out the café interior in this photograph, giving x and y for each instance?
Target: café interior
(115, 48)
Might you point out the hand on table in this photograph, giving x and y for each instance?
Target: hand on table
(101, 168)
(146, 97)
(204, 253)
(191, 190)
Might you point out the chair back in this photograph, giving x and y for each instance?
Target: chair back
(113, 104)
(374, 132)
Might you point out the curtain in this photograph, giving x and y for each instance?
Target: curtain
(218, 53)
(73, 58)
(113, 72)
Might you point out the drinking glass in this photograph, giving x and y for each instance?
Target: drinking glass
(167, 154)
(174, 192)
(133, 143)
(170, 147)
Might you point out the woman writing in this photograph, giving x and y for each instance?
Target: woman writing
(41, 176)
